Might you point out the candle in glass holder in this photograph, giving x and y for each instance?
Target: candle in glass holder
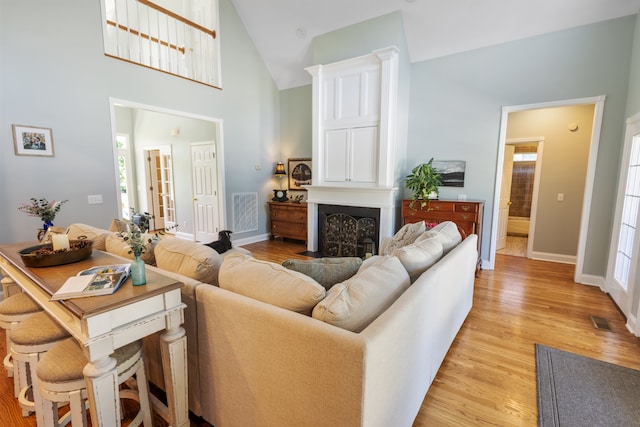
(60, 242)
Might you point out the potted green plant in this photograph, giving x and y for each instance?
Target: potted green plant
(424, 180)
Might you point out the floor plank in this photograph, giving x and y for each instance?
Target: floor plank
(488, 376)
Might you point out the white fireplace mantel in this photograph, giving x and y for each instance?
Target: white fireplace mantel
(378, 197)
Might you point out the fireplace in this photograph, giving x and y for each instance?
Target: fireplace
(347, 230)
(378, 203)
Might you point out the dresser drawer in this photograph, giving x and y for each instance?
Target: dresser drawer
(289, 229)
(286, 214)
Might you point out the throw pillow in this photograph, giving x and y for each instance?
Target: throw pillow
(188, 258)
(448, 234)
(356, 302)
(326, 271)
(270, 282)
(419, 256)
(83, 231)
(121, 225)
(407, 234)
(117, 246)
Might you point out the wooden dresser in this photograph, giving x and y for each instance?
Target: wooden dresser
(288, 219)
(467, 214)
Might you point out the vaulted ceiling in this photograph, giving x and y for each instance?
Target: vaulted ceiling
(282, 30)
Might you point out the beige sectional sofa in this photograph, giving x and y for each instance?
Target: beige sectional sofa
(282, 363)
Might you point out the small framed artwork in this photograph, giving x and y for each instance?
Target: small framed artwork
(300, 173)
(451, 172)
(32, 141)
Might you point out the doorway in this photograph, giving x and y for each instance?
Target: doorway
(519, 196)
(159, 150)
(580, 201)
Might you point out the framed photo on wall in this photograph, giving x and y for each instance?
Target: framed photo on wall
(32, 141)
(300, 173)
(451, 172)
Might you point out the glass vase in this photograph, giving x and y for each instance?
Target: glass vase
(138, 274)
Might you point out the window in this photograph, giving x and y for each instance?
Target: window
(178, 37)
(125, 173)
(525, 157)
(629, 220)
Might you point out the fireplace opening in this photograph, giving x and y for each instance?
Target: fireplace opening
(347, 230)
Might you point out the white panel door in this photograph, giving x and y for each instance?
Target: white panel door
(205, 192)
(624, 257)
(505, 197)
(364, 155)
(336, 155)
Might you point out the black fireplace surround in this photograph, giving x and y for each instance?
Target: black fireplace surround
(345, 230)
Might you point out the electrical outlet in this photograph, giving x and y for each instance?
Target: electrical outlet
(258, 167)
(560, 197)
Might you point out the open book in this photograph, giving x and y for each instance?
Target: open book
(101, 280)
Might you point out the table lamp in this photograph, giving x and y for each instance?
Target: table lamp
(280, 195)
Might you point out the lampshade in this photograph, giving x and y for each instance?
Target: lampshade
(280, 169)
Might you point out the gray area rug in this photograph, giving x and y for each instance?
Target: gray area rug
(574, 390)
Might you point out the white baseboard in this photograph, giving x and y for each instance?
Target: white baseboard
(185, 236)
(545, 256)
(252, 239)
(590, 279)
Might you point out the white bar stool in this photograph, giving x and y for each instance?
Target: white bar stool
(60, 379)
(13, 310)
(30, 339)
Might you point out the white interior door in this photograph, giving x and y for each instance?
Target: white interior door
(505, 197)
(205, 192)
(624, 258)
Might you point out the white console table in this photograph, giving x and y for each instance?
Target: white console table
(103, 324)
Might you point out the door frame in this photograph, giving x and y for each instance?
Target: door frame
(632, 128)
(219, 133)
(539, 141)
(598, 102)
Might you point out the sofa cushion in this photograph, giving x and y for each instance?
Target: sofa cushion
(356, 302)
(121, 225)
(419, 256)
(326, 271)
(189, 259)
(407, 234)
(270, 282)
(117, 246)
(97, 235)
(448, 234)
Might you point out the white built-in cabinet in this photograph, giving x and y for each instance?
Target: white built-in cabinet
(351, 155)
(354, 110)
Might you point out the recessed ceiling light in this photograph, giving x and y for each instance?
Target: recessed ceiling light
(301, 32)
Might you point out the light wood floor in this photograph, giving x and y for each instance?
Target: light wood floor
(488, 377)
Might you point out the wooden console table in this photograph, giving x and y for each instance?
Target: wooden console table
(467, 214)
(288, 219)
(105, 323)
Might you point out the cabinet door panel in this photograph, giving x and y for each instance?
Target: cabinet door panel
(364, 154)
(336, 155)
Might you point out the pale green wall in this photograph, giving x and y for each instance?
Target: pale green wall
(633, 101)
(53, 73)
(457, 100)
(563, 169)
